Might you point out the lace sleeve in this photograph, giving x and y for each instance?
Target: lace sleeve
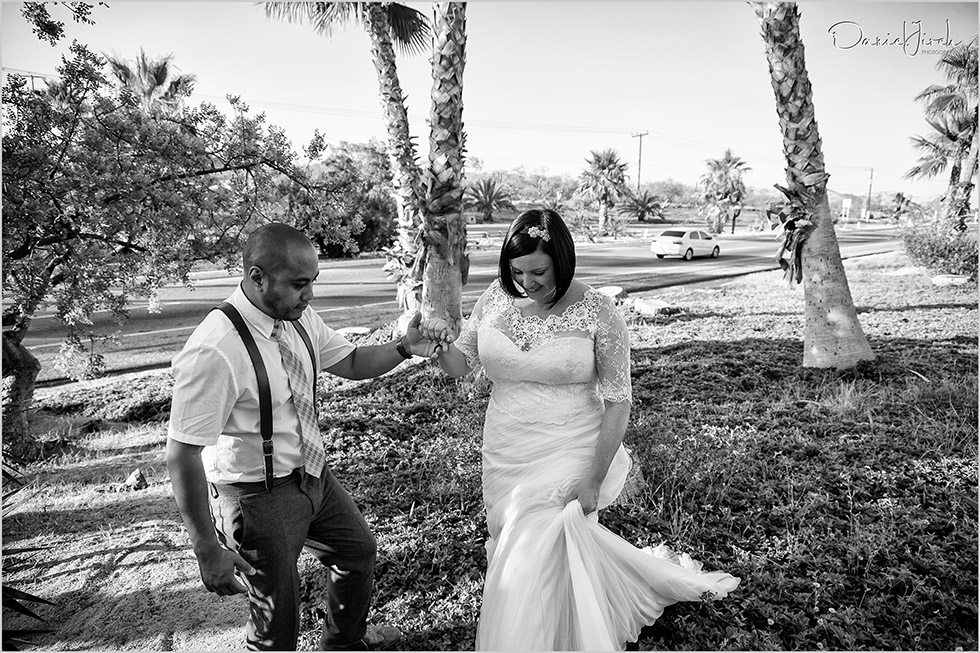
(612, 353)
(467, 341)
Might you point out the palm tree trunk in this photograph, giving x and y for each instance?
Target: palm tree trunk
(832, 334)
(958, 198)
(954, 173)
(444, 228)
(401, 152)
(736, 211)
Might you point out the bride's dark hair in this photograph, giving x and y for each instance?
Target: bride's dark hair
(539, 230)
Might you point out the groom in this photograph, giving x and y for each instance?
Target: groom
(245, 454)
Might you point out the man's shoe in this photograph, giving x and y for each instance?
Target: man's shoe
(376, 638)
(381, 638)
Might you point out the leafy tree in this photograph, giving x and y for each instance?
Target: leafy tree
(527, 187)
(723, 190)
(642, 206)
(952, 111)
(605, 182)
(364, 218)
(104, 201)
(359, 217)
(832, 335)
(370, 212)
(49, 29)
(487, 197)
(672, 192)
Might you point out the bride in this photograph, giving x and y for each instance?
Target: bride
(558, 355)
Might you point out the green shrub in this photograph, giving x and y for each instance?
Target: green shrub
(941, 251)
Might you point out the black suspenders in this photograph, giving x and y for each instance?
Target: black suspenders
(262, 377)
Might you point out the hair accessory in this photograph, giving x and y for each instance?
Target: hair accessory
(539, 232)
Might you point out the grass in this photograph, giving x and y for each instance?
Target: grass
(847, 503)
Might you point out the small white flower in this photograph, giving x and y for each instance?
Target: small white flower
(539, 232)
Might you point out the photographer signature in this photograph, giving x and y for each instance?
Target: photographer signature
(847, 34)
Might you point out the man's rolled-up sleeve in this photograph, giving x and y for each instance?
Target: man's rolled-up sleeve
(334, 347)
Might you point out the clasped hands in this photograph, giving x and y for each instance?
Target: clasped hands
(428, 338)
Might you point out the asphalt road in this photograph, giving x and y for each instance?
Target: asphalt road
(357, 292)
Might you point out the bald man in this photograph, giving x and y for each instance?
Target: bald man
(248, 521)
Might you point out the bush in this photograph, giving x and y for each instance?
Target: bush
(941, 251)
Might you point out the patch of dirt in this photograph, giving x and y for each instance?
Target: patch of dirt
(124, 576)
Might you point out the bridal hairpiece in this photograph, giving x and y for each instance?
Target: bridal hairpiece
(539, 232)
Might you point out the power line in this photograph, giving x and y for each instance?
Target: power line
(31, 75)
(490, 124)
(661, 137)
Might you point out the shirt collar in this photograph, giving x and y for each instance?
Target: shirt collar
(253, 314)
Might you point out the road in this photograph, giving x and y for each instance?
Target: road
(357, 292)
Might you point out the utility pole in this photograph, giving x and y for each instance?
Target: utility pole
(868, 209)
(639, 160)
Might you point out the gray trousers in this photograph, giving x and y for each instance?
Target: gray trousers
(270, 528)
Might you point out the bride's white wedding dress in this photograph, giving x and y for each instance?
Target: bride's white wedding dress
(558, 580)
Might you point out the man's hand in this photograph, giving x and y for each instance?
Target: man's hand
(218, 569)
(428, 338)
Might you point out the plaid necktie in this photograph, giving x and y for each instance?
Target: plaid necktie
(311, 443)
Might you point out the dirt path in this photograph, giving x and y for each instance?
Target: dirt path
(118, 565)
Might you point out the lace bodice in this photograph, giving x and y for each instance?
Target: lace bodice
(549, 369)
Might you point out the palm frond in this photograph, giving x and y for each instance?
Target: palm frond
(933, 90)
(14, 599)
(26, 549)
(411, 30)
(8, 497)
(13, 640)
(322, 16)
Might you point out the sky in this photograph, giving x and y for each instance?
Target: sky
(546, 83)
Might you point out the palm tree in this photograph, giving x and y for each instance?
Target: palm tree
(153, 82)
(388, 25)
(444, 230)
(486, 197)
(605, 182)
(951, 110)
(643, 205)
(832, 335)
(724, 188)
(944, 147)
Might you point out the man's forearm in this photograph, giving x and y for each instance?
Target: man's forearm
(369, 361)
(191, 496)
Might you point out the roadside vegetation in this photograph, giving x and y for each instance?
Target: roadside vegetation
(845, 501)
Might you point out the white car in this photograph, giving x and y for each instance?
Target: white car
(686, 243)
